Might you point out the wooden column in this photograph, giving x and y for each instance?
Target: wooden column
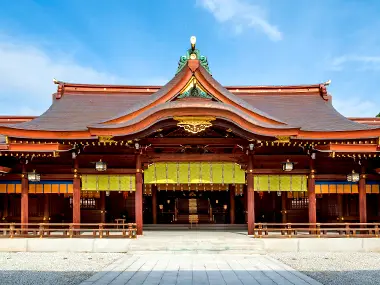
(362, 199)
(46, 207)
(340, 206)
(76, 194)
(24, 196)
(311, 194)
(6, 203)
(102, 206)
(232, 204)
(284, 197)
(139, 196)
(245, 203)
(154, 203)
(250, 196)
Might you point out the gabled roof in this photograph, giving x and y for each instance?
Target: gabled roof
(87, 111)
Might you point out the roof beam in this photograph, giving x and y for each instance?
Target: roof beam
(43, 147)
(4, 169)
(193, 157)
(352, 148)
(194, 141)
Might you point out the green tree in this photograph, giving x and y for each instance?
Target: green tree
(378, 115)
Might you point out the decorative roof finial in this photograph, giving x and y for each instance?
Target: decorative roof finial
(327, 83)
(193, 53)
(193, 41)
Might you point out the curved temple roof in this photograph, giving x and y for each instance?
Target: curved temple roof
(85, 111)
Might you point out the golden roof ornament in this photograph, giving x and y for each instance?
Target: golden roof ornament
(194, 125)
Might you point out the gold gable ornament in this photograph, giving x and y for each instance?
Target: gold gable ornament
(194, 125)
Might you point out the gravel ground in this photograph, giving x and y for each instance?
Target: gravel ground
(336, 268)
(26, 268)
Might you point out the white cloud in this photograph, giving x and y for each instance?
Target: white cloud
(241, 15)
(26, 73)
(356, 107)
(361, 62)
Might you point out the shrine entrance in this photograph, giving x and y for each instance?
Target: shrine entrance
(194, 192)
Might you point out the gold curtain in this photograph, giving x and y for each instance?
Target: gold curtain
(55, 187)
(46, 188)
(108, 182)
(10, 187)
(194, 173)
(296, 183)
(344, 188)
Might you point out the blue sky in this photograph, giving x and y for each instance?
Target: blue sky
(247, 42)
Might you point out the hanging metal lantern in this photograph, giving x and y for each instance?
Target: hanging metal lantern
(34, 177)
(101, 166)
(287, 165)
(353, 177)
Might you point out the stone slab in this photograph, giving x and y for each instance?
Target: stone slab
(280, 244)
(331, 245)
(13, 244)
(371, 244)
(60, 245)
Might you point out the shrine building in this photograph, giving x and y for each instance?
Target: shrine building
(191, 151)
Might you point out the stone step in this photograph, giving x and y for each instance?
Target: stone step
(194, 227)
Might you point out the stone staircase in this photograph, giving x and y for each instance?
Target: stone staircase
(197, 242)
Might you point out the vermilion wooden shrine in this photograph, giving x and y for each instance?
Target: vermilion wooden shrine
(192, 151)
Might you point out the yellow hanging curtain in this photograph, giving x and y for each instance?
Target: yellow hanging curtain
(194, 173)
(295, 183)
(108, 182)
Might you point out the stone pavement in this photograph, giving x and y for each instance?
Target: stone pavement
(202, 269)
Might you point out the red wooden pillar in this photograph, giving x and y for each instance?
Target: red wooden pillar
(284, 197)
(24, 196)
(154, 204)
(102, 206)
(139, 196)
(232, 204)
(311, 194)
(362, 199)
(250, 196)
(76, 194)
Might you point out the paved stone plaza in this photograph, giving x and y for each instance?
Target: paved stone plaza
(189, 257)
(186, 269)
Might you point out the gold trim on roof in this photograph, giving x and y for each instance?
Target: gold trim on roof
(194, 125)
(105, 139)
(282, 139)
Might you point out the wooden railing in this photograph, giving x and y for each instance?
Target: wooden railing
(65, 230)
(308, 230)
